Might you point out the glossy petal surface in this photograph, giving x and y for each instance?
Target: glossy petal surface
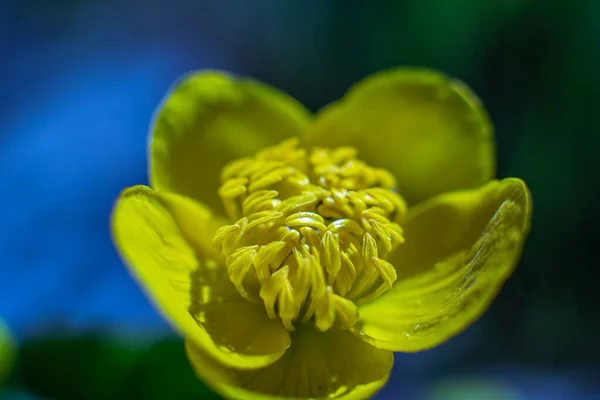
(165, 240)
(317, 366)
(429, 130)
(210, 118)
(460, 248)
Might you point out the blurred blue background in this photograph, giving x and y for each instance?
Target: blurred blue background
(80, 80)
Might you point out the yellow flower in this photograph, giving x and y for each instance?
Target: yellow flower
(295, 254)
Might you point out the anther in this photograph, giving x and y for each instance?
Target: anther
(312, 233)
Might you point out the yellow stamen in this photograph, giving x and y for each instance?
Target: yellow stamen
(312, 233)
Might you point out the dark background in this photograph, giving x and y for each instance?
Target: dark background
(79, 81)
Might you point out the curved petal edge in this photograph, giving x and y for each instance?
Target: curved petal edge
(431, 131)
(161, 237)
(209, 118)
(317, 366)
(469, 243)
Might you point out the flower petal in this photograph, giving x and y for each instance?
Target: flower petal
(460, 248)
(165, 239)
(429, 130)
(210, 118)
(333, 365)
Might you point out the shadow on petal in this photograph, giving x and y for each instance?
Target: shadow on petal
(460, 248)
(333, 365)
(162, 238)
(234, 323)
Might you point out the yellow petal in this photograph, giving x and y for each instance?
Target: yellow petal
(460, 248)
(429, 130)
(165, 240)
(333, 365)
(210, 118)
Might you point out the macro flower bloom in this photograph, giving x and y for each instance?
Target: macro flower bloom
(295, 253)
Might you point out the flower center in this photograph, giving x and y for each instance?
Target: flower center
(312, 232)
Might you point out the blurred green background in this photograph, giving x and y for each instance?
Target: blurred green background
(81, 78)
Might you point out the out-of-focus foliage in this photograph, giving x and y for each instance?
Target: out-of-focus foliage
(472, 389)
(91, 367)
(7, 353)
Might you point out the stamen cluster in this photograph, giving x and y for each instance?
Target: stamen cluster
(312, 232)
